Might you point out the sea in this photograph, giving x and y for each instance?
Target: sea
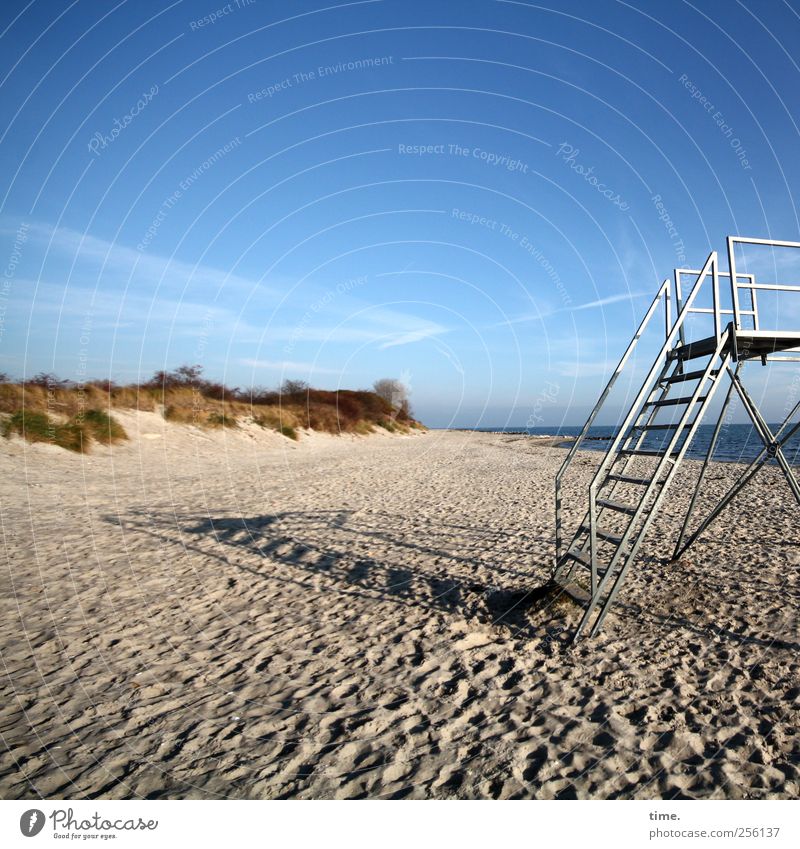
(737, 443)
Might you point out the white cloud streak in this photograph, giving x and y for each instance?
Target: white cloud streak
(597, 304)
(121, 262)
(287, 365)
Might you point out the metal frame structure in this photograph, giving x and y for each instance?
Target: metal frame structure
(632, 481)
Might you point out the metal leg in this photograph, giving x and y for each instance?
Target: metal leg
(745, 477)
(770, 440)
(712, 446)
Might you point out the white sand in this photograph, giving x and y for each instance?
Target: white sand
(236, 615)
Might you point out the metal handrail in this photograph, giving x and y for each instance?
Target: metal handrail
(717, 311)
(663, 292)
(668, 457)
(710, 265)
(672, 332)
(752, 287)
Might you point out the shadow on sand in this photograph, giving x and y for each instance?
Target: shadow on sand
(452, 571)
(449, 572)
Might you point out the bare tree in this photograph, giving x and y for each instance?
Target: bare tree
(391, 390)
(294, 387)
(185, 375)
(396, 393)
(45, 378)
(189, 374)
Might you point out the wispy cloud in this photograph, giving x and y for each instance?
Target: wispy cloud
(426, 330)
(287, 365)
(611, 299)
(122, 263)
(389, 328)
(172, 307)
(133, 313)
(379, 326)
(590, 305)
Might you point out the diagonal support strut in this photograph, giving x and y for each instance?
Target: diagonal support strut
(773, 447)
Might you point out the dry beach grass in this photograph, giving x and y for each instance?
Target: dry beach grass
(229, 613)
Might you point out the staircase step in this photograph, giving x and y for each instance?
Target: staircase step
(689, 375)
(617, 505)
(583, 557)
(646, 452)
(671, 402)
(661, 426)
(693, 350)
(628, 479)
(602, 533)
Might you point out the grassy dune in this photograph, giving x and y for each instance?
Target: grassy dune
(74, 416)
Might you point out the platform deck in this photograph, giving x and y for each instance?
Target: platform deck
(745, 344)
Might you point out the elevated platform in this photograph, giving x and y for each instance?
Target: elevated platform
(743, 345)
(632, 481)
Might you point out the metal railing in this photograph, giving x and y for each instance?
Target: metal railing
(753, 287)
(672, 331)
(716, 310)
(664, 293)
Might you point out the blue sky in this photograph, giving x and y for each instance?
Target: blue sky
(470, 196)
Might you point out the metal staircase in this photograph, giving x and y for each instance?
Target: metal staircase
(630, 485)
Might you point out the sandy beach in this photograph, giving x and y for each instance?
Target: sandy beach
(236, 615)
